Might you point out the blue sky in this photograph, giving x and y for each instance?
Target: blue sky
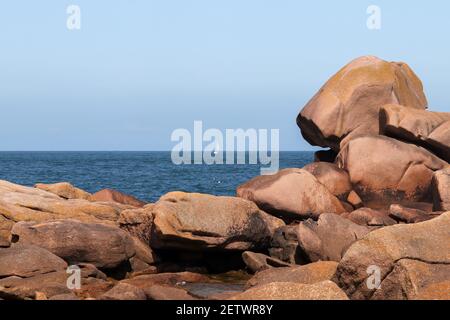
(139, 69)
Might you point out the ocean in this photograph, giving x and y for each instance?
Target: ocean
(145, 175)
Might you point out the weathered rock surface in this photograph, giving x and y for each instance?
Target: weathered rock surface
(158, 292)
(386, 248)
(284, 245)
(328, 238)
(124, 291)
(27, 261)
(441, 189)
(138, 222)
(53, 284)
(384, 170)
(256, 262)
(19, 203)
(307, 274)
(336, 180)
(77, 242)
(409, 215)
(325, 290)
(64, 190)
(409, 278)
(5, 231)
(348, 104)
(109, 195)
(370, 217)
(199, 222)
(291, 193)
(428, 129)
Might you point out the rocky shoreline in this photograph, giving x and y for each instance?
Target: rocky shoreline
(370, 219)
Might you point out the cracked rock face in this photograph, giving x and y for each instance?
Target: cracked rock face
(410, 257)
(428, 129)
(385, 171)
(348, 104)
(196, 221)
(19, 203)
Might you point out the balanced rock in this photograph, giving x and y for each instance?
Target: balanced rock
(307, 274)
(441, 189)
(348, 104)
(425, 128)
(108, 195)
(332, 177)
(199, 221)
(291, 194)
(64, 190)
(77, 242)
(325, 290)
(384, 170)
(386, 249)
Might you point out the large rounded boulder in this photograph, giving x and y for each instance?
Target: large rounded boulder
(291, 194)
(348, 104)
(197, 221)
(384, 170)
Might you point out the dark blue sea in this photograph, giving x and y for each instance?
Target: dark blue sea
(145, 175)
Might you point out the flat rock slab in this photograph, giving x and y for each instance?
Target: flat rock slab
(325, 290)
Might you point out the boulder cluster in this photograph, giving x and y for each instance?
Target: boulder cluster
(369, 219)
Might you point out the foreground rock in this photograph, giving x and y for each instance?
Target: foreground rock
(441, 190)
(123, 291)
(108, 195)
(256, 262)
(336, 180)
(198, 222)
(76, 242)
(384, 171)
(291, 194)
(328, 238)
(64, 190)
(19, 203)
(53, 285)
(390, 250)
(27, 260)
(307, 274)
(428, 129)
(325, 290)
(348, 104)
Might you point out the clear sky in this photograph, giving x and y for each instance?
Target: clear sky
(139, 69)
